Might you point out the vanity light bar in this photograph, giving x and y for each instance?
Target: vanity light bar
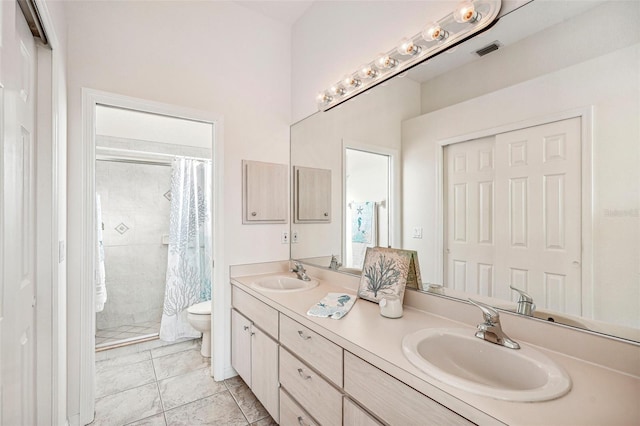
(468, 18)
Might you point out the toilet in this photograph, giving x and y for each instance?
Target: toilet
(199, 316)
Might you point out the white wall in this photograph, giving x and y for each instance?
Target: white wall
(213, 56)
(610, 84)
(333, 38)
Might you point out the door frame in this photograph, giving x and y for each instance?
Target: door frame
(393, 203)
(90, 100)
(586, 115)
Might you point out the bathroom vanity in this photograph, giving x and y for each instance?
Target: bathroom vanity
(353, 371)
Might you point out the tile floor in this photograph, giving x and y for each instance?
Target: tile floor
(110, 336)
(171, 385)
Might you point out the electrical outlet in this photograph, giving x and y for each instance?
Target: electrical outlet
(294, 237)
(417, 232)
(285, 238)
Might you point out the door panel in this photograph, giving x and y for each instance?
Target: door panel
(17, 219)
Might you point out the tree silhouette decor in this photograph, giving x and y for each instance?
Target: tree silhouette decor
(382, 275)
(385, 272)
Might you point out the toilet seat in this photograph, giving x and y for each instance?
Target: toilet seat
(202, 308)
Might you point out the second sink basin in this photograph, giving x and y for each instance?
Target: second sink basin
(456, 357)
(283, 284)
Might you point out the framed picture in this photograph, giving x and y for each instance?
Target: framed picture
(386, 272)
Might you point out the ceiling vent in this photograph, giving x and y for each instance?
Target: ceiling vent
(488, 49)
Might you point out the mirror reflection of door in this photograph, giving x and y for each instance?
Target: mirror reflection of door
(513, 217)
(367, 191)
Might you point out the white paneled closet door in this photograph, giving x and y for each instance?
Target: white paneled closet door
(17, 219)
(469, 233)
(539, 244)
(519, 223)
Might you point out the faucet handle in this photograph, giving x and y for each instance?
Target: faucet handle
(490, 314)
(525, 303)
(297, 266)
(524, 296)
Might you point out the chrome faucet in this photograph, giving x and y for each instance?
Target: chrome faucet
(525, 303)
(300, 271)
(491, 330)
(334, 263)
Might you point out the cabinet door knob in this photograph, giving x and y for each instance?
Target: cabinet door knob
(301, 421)
(326, 214)
(301, 334)
(246, 327)
(254, 214)
(304, 376)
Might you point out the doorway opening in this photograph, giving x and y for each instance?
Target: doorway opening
(367, 204)
(136, 160)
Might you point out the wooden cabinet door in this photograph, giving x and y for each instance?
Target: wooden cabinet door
(312, 195)
(264, 368)
(241, 345)
(265, 192)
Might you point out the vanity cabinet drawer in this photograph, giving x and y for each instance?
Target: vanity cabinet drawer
(356, 416)
(318, 352)
(262, 315)
(316, 395)
(291, 414)
(390, 399)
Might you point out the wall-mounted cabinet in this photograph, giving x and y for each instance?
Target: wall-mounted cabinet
(264, 192)
(312, 195)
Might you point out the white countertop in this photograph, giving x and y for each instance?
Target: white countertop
(599, 395)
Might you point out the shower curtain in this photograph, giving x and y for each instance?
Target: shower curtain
(190, 236)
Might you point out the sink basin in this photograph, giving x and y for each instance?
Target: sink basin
(283, 284)
(456, 357)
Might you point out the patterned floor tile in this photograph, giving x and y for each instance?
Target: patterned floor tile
(124, 360)
(267, 421)
(157, 420)
(247, 401)
(218, 409)
(188, 387)
(179, 363)
(117, 378)
(128, 406)
(177, 347)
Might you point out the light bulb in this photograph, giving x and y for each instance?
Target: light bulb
(386, 62)
(409, 48)
(323, 98)
(434, 32)
(337, 90)
(466, 12)
(368, 71)
(351, 82)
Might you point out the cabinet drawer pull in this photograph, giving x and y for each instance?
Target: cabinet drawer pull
(326, 214)
(301, 334)
(301, 422)
(254, 214)
(253, 333)
(304, 376)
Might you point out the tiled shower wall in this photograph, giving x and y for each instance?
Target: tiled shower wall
(135, 213)
(135, 202)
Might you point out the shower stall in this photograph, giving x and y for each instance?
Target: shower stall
(133, 181)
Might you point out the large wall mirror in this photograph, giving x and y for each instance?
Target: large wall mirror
(516, 168)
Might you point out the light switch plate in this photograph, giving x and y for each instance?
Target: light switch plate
(417, 232)
(285, 238)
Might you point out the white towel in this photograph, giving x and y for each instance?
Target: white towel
(333, 305)
(100, 278)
